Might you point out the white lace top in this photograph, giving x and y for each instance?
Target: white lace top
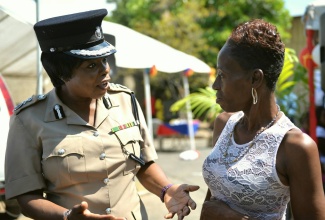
(251, 185)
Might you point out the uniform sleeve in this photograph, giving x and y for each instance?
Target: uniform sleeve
(148, 151)
(23, 161)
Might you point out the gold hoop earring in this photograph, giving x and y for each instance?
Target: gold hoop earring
(254, 95)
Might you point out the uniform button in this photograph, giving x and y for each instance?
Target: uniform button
(108, 211)
(102, 156)
(106, 180)
(96, 134)
(61, 151)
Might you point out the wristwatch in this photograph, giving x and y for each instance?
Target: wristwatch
(66, 214)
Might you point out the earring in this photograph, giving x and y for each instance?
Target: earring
(254, 95)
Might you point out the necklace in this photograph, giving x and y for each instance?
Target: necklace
(225, 154)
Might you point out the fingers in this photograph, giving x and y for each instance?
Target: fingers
(192, 188)
(84, 205)
(191, 204)
(169, 215)
(80, 208)
(186, 211)
(180, 215)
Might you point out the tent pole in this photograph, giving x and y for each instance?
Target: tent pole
(189, 113)
(148, 101)
(39, 89)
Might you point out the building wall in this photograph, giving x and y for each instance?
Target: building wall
(298, 36)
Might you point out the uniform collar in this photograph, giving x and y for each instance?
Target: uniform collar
(70, 116)
(101, 111)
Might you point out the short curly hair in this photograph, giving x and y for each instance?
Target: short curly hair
(257, 45)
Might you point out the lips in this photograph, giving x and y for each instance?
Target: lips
(104, 85)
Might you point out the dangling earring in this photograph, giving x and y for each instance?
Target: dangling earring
(254, 95)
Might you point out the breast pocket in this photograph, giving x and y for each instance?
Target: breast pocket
(63, 161)
(130, 139)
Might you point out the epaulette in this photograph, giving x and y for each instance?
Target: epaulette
(28, 102)
(119, 88)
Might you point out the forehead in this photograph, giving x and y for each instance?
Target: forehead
(226, 62)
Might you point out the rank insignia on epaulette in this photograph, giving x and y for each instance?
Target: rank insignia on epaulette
(115, 86)
(124, 126)
(31, 100)
(23, 103)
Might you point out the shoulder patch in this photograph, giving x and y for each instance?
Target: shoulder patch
(119, 88)
(29, 102)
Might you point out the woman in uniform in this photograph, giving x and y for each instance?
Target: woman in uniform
(75, 152)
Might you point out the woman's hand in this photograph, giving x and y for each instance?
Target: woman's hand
(79, 212)
(178, 200)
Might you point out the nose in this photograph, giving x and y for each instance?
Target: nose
(216, 83)
(105, 66)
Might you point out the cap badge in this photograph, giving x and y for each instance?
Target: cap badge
(98, 32)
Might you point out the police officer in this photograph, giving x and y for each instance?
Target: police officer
(75, 152)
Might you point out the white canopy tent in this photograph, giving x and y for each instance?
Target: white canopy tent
(138, 51)
(134, 50)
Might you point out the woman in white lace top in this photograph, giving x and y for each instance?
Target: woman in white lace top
(260, 160)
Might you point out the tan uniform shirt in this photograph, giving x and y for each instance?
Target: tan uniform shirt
(50, 147)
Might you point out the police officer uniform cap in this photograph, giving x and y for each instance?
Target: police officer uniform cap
(79, 35)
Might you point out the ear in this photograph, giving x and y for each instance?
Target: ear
(257, 78)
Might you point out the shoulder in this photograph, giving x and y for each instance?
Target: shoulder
(298, 140)
(298, 146)
(29, 102)
(118, 88)
(219, 124)
(221, 120)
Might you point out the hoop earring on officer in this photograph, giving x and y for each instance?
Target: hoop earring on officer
(254, 95)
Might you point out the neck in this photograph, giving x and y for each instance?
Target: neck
(258, 116)
(85, 108)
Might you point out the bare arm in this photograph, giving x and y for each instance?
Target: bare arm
(177, 199)
(35, 206)
(302, 167)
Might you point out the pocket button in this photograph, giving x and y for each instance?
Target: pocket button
(61, 152)
(108, 211)
(96, 134)
(102, 156)
(106, 180)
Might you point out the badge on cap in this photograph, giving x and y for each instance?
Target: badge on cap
(98, 33)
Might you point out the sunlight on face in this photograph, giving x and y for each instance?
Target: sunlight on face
(90, 79)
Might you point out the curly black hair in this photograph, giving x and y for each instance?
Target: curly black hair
(257, 45)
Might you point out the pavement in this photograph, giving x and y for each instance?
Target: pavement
(178, 171)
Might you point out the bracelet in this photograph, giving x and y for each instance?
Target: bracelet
(163, 192)
(66, 214)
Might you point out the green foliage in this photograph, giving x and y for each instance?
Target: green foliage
(202, 102)
(292, 87)
(197, 27)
